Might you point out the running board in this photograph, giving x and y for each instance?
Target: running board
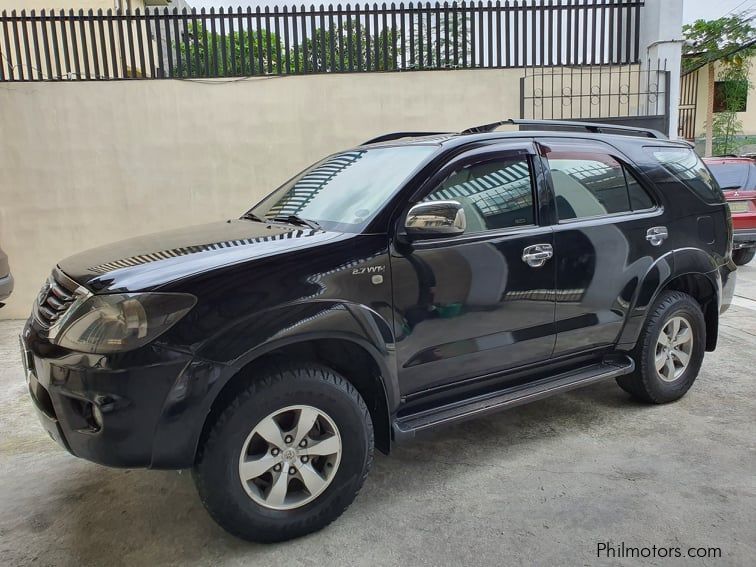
(405, 427)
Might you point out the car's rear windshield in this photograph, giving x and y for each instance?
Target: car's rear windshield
(345, 191)
(731, 175)
(686, 167)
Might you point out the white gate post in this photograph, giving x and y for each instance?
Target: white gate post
(661, 40)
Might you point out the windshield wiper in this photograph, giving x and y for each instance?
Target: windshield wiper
(297, 220)
(251, 216)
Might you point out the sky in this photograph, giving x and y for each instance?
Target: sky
(711, 10)
(692, 9)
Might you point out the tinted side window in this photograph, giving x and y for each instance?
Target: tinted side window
(587, 184)
(590, 184)
(685, 166)
(640, 200)
(494, 194)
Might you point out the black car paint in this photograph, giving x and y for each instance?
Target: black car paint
(263, 286)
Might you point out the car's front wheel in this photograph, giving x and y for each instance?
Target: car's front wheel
(742, 256)
(669, 351)
(287, 455)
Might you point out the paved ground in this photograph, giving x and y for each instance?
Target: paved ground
(542, 484)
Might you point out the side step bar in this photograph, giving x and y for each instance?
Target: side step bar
(405, 427)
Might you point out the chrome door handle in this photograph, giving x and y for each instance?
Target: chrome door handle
(656, 235)
(536, 255)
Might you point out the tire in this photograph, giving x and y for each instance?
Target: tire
(240, 507)
(742, 256)
(650, 385)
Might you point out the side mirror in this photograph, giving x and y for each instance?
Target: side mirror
(435, 219)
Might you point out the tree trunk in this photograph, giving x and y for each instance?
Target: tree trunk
(710, 113)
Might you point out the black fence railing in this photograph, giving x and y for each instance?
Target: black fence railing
(240, 42)
(619, 91)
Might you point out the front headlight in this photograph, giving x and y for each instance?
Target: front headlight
(120, 322)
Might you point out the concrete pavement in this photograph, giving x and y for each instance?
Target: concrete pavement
(542, 484)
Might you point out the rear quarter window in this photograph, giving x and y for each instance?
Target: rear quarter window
(686, 167)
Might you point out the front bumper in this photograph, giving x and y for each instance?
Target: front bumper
(743, 238)
(136, 409)
(6, 287)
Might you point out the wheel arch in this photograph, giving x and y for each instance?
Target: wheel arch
(690, 271)
(353, 357)
(701, 288)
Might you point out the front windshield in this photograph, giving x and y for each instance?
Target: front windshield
(344, 191)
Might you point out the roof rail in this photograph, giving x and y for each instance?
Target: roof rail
(399, 135)
(594, 127)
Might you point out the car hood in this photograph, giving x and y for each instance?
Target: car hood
(150, 261)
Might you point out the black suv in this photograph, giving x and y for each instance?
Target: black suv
(413, 281)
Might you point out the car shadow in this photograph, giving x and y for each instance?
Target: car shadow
(156, 516)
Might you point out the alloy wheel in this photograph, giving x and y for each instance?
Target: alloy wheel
(290, 457)
(674, 348)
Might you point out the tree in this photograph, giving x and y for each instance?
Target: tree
(437, 38)
(729, 42)
(216, 55)
(349, 46)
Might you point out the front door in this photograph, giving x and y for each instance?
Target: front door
(470, 305)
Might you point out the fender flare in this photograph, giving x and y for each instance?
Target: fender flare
(205, 378)
(675, 264)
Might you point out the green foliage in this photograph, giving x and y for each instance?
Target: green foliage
(718, 40)
(338, 48)
(436, 50)
(725, 125)
(352, 48)
(725, 41)
(215, 55)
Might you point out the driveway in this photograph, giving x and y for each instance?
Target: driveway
(541, 484)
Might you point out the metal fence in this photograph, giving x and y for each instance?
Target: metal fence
(240, 42)
(628, 93)
(688, 106)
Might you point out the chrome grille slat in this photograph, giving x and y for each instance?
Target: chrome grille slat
(54, 300)
(47, 313)
(60, 292)
(55, 303)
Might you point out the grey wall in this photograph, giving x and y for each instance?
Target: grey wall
(87, 163)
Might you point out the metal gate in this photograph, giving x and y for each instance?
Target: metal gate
(628, 95)
(688, 102)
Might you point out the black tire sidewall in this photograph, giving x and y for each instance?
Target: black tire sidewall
(743, 256)
(659, 390)
(218, 471)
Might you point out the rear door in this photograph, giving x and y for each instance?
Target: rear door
(470, 305)
(609, 232)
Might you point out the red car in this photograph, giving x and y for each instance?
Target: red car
(737, 178)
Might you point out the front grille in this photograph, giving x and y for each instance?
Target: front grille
(54, 299)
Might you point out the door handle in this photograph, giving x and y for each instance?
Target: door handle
(656, 235)
(536, 255)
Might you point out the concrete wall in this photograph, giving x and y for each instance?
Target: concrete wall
(86, 163)
(747, 118)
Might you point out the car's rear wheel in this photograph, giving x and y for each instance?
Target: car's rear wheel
(742, 256)
(670, 350)
(287, 455)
